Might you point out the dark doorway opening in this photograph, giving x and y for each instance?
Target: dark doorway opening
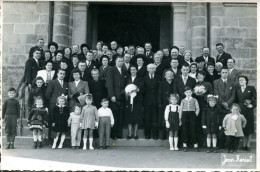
(130, 24)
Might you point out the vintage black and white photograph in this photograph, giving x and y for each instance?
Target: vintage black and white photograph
(129, 85)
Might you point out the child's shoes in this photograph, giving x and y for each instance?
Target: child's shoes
(176, 148)
(91, 148)
(84, 147)
(171, 147)
(39, 145)
(60, 146)
(12, 145)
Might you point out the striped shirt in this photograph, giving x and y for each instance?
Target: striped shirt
(189, 104)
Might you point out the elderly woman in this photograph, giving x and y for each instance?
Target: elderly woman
(160, 67)
(47, 74)
(141, 67)
(134, 110)
(246, 98)
(76, 88)
(165, 89)
(120, 50)
(188, 57)
(218, 67)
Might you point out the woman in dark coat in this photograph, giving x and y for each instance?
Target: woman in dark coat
(104, 68)
(246, 98)
(211, 74)
(38, 89)
(134, 112)
(202, 100)
(165, 89)
(141, 67)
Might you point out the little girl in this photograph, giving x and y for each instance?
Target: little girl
(171, 116)
(210, 122)
(106, 121)
(60, 121)
(233, 124)
(74, 122)
(37, 121)
(38, 89)
(189, 112)
(11, 114)
(88, 121)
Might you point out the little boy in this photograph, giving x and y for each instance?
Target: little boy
(74, 121)
(11, 114)
(106, 121)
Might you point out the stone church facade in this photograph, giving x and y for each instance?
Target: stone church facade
(193, 25)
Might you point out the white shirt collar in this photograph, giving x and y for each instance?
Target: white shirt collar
(188, 98)
(36, 59)
(61, 106)
(230, 70)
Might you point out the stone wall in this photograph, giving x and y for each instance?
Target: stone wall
(23, 24)
(235, 26)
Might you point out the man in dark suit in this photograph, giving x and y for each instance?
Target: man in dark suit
(148, 52)
(90, 65)
(126, 65)
(182, 81)
(113, 46)
(32, 66)
(82, 66)
(115, 81)
(222, 56)
(175, 55)
(39, 45)
(174, 68)
(151, 86)
(233, 73)
(205, 56)
(224, 88)
(55, 89)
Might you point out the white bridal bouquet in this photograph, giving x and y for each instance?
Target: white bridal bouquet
(131, 90)
(199, 90)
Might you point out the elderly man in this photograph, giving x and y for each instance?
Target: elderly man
(205, 56)
(148, 50)
(151, 86)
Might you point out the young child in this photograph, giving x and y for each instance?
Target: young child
(233, 124)
(38, 89)
(74, 122)
(60, 121)
(210, 122)
(37, 120)
(11, 114)
(106, 121)
(189, 112)
(88, 121)
(172, 116)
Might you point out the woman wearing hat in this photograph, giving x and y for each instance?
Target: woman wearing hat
(53, 47)
(246, 98)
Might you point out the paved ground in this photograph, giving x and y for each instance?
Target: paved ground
(118, 157)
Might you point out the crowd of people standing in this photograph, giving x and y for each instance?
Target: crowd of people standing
(204, 101)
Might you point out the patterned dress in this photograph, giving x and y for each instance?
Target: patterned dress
(88, 117)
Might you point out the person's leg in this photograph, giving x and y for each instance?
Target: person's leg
(79, 132)
(171, 140)
(35, 135)
(8, 141)
(101, 131)
(116, 118)
(55, 140)
(214, 141)
(91, 139)
(236, 143)
(121, 108)
(40, 138)
(185, 123)
(193, 130)
(154, 113)
(208, 142)
(107, 131)
(176, 140)
(85, 137)
(63, 136)
(135, 131)
(147, 122)
(129, 131)
(249, 138)
(73, 135)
